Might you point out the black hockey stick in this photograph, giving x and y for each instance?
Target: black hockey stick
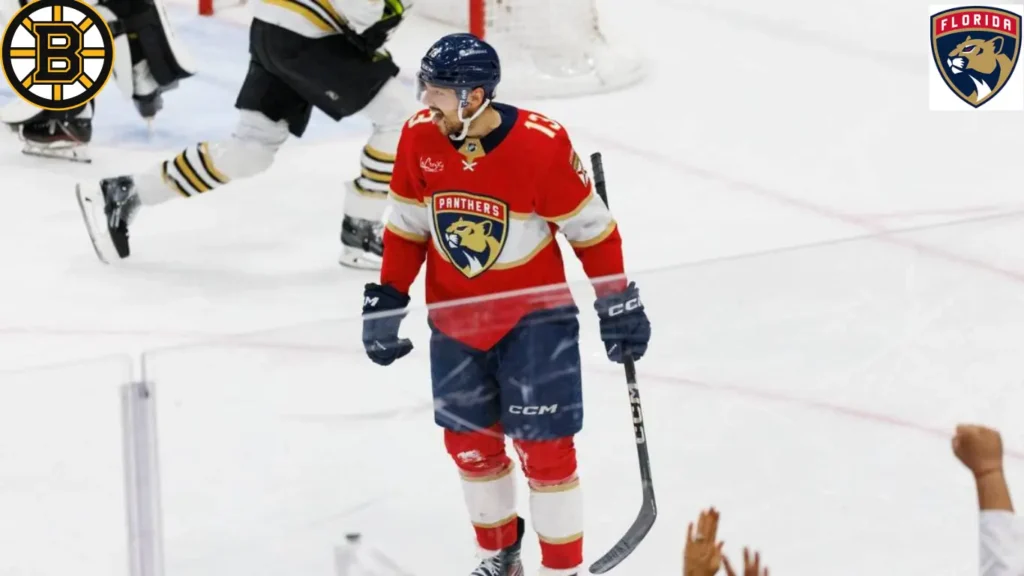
(648, 507)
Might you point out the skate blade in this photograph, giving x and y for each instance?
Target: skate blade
(96, 225)
(68, 153)
(353, 258)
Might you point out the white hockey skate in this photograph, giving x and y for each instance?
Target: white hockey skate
(362, 228)
(362, 243)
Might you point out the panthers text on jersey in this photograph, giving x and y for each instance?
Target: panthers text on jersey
(316, 18)
(484, 212)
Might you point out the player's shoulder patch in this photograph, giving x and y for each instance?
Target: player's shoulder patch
(579, 167)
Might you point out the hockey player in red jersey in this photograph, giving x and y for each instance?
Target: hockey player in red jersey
(479, 191)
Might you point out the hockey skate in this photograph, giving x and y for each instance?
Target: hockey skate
(108, 207)
(507, 562)
(54, 135)
(148, 107)
(362, 243)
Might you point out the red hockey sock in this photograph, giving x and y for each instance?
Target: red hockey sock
(557, 512)
(556, 503)
(488, 486)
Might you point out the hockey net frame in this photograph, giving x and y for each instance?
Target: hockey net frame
(548, 48)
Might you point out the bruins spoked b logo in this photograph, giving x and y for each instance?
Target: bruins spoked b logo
(57, 54)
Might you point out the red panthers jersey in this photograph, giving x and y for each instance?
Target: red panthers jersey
(484, 212)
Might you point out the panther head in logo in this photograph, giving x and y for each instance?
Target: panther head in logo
(984, 63)
(474, 241)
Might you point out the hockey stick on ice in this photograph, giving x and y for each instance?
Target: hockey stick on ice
(648, 507)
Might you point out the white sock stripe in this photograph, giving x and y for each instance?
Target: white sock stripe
(367, 205)
(374, 176)
(171, 177)
(492, 501)
(557, 515)
(195, 162)
(376, 165)
(177, 171)
(373, 187)
(204, 159)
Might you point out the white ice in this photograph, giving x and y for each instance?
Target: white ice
(834, 274)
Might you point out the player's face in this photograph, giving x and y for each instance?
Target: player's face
(444, 104)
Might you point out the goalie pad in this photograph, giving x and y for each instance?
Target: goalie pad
(157, 62)
(146, 22)
(8, 8)
(122, 70)
(18, 111)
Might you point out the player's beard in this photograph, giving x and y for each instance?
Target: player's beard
(446, 125)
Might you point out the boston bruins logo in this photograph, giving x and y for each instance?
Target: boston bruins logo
(57, 54)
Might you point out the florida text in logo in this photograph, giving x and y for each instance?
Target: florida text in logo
(976, 50)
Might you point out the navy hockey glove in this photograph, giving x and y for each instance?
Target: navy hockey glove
(624, 324)
(380, 334)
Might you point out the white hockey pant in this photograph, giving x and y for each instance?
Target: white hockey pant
(256, 140)
(366, 196)
(208, 165)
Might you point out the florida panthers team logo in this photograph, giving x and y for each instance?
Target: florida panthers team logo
(976, 50)
(471, 230)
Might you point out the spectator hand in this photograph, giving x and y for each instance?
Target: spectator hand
(751, 566)
(702, 556)
(979, 448)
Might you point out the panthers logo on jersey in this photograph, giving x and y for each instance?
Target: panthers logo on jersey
(471, 230)
(975, 49)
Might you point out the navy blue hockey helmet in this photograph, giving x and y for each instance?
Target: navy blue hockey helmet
(463, 62)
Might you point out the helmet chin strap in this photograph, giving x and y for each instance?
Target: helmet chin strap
(467, 121)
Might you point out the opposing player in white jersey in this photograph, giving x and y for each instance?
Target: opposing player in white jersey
(304, 53)
(150, 61)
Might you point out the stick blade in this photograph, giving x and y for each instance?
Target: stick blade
(630, 540)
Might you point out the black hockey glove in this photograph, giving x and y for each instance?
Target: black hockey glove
(624, 324)
(380, 334)
(380, 32)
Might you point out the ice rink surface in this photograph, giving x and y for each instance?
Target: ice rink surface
(835, 277)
